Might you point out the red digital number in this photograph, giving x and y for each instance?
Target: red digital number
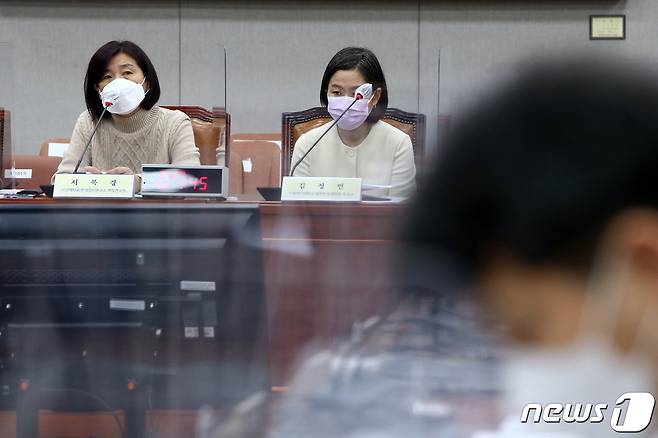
(204, 184)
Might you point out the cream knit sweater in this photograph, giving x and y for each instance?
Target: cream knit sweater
(155, 136)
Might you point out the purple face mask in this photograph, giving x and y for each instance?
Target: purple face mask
(352, 118)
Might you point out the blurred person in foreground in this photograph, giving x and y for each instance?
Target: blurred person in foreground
(545, 204)
(548, 196)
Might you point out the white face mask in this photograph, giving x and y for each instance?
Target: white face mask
(123, 94)
(590, 370)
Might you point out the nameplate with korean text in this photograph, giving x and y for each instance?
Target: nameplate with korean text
(80, 185)
(334, 189)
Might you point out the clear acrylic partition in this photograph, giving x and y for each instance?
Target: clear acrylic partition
(7, 109)
(207, 88)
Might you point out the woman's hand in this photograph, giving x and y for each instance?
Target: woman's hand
(127, 171)
(117, 171)
(91, 169)
(120, 171)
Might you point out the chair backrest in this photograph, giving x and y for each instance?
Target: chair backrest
(294, 124)
(220, 114)
(211, 131)
(41, 166)
(268, 136)
(260, 163)
(51, 147)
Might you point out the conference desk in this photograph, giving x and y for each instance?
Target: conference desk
(326, 266)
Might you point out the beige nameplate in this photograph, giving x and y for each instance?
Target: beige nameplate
(80, 185)
(607, 27)
(297, 188)
(18, 173)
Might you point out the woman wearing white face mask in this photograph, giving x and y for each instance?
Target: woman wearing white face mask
(121, 77)
(361, 145)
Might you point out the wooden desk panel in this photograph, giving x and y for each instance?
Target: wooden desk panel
(326, 266)
(167, 424)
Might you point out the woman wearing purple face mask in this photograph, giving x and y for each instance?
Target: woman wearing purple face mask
(361, 145)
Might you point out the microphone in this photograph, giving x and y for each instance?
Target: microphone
(106, 105)
(363, 92)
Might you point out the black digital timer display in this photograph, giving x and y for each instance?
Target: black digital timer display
(169, 180)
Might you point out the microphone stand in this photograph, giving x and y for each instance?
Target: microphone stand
(77, 166)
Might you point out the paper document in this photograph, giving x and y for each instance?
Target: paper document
(57, 149)
(247, 165)
(365, 186)
(382, 200)
(9, 192)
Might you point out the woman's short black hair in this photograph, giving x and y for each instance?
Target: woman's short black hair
(366, 62)
(98, 65)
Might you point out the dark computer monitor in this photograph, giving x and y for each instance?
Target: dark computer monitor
(141, 305)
